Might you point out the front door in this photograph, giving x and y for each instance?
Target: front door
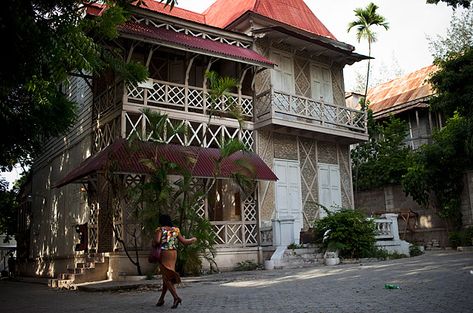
(330, 195)
(288, 193)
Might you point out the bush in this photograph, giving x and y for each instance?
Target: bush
(247, 265)
(462, 237)
(415, 250)
(347, 231)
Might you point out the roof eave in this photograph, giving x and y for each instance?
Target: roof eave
(188, 49)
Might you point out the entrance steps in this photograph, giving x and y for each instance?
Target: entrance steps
(88, 267)
(306, 256)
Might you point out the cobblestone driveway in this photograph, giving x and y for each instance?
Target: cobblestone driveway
(436, 282)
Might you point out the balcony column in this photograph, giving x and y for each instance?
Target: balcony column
(186, 84)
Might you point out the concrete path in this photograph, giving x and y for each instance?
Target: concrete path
(435, 282)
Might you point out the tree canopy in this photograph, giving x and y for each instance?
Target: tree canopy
(45, 42)
(366, 19)
(453, 3)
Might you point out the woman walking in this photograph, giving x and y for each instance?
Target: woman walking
(167, 236)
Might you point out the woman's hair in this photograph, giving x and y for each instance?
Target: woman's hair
(165, 220)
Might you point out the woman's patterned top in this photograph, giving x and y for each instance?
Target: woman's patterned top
(169, 238)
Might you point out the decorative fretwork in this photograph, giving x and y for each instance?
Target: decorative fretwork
(105, 134)
(251, 234)
(291, 107)
(249, 209)
(118, 227)
(190, 32)
(93, 227)
(187, 133)
(108, 100)
(173, 96)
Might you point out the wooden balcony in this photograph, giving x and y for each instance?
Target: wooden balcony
(283, 109)
(185, 98)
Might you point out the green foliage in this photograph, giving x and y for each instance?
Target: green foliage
(47, 42)
(347, 231)
(366, 19)
(462, 237)
(453, 84)
(414, 250)
(8, 210)
(459, 36)
(453, 3)
(384, 159)
(293, 246)
(247, 265)
(438, 168)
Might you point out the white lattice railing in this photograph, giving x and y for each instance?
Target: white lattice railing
(186, 98)
(243, 233)
(286, 106)
(191, 134)
(235, 234)
(383, 229)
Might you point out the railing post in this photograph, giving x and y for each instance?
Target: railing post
(394, 227)
(322, 111)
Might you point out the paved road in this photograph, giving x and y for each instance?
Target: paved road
(435, 282)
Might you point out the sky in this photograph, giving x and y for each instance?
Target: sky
(403, 47)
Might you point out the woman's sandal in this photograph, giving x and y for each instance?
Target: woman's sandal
(160, 303)
(176, 303)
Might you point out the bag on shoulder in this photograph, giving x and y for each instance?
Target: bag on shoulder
(155, 255)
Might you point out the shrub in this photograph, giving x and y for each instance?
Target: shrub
(414, 250)
(247, 265)
(347, 231)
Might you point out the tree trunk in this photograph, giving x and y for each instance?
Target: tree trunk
(368, 72)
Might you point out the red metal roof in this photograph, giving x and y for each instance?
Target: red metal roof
(401, 91)
(157, 6)
(123, 157)
(294, 13)
(188, 41)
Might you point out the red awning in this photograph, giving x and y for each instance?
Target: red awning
(123, 157)
(206, 46)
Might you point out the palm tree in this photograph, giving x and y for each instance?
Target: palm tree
(366, 19)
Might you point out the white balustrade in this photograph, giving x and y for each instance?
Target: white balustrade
(187, 98)
(276, 103)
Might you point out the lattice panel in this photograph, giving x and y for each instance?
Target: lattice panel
(249, 209)
(247, 138)
(200, 208)
(158, 93)
(251, 234)
(247, 106)
(191, 134)
(106, 134)
(263, 104)
(220, 234)
(135, 92)
(233, 234)
(195, 98)
(307, 152)
(93, 226)
(302, 77)
(118, 226)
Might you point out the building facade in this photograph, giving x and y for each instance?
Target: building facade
(290, 92)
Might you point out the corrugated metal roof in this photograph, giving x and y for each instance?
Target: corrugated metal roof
(187, 41)
(123, 157)
(400, 91)
(294, 13)
(157, 6)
